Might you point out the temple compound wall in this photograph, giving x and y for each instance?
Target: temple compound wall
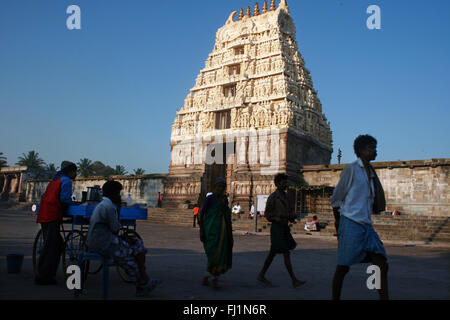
(142, 188)
(415, 187)
(13, 182)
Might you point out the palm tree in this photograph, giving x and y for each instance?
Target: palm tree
(51, 167)
(139, 171)
(85, 167)
(31, 160)
(120, 170)
(2, 160)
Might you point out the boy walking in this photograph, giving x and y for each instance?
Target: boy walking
(279, 212)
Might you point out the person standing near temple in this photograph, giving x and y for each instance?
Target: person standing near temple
(195, 211)
(251, 213)
(54, 202)
(159, 198)
(216, 233)
(356, 197)
(279, 212)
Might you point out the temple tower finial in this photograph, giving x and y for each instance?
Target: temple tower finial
(241, 14)
(256, 10)
(272, 5)
(247, 12)
(264, 9)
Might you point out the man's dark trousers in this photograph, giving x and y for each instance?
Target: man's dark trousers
(52, 248)
(195, 218)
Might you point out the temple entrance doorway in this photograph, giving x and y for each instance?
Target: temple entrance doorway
(222, 156)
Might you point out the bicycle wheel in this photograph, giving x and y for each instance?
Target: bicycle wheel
(37, 247)
(129, 233)
(74, 244)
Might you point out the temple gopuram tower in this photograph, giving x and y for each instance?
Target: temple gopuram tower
(252, 113)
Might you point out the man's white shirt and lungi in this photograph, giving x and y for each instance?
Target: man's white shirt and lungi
(354, 195)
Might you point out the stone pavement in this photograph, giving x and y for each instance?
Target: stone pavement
(176, 256)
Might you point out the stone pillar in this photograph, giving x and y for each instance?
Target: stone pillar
(18, 182)
(2, 182)
(6, 188)
(20, 193)
(5, 179)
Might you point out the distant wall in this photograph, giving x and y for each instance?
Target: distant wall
(143, 189)
(417, 187)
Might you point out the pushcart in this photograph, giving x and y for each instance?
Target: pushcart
(74, 229)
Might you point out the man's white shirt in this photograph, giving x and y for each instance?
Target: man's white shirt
(354, 193)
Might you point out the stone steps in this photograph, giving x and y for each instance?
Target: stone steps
(401, 228)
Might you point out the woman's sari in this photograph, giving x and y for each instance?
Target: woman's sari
(217, 235)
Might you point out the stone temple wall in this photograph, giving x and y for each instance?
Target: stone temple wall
(142, 189)
(416, 187)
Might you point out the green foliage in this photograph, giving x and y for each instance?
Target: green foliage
(31, 160)
(3, 162)
(85, 167)
(51, 168)
(120, 170)
(139, 171)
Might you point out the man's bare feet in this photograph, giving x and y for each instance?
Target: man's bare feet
(297, 283)
(264, 281)
(205, 282)
(215, 283)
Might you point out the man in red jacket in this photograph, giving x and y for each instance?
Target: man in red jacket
(56, 199)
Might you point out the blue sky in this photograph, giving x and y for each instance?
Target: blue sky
(110, 91)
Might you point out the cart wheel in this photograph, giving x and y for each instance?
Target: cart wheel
(74, 244)
(130, 233)
(37, 247)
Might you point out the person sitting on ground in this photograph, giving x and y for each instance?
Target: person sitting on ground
(313, 224)
(128, 253)
(236, 209)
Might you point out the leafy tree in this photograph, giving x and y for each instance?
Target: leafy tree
(85, 168)
(100, 169)
(120, 170)
(139, 171)
(31, 160)
(2, 160)
(51, 168)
